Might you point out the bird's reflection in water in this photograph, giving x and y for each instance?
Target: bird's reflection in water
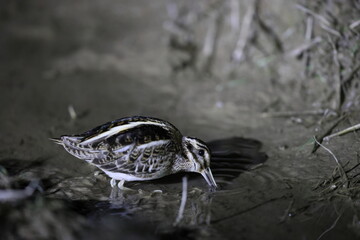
(159, 206)
(159, 202)
(230, 157)
(200, 210)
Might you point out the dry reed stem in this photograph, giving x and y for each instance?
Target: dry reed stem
(327, 132)
(245, 31)
(342, 132)
(331, 227)
(234, 15)
(211, 40)
(304, 47)
(294, 113)
(338, 76)
(341, 169)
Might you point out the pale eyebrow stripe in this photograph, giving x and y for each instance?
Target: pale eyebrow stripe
(199, 144)
(119, 129)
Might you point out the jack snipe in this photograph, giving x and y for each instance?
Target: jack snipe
(138, 149)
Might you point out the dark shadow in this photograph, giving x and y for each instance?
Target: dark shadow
(232, 156)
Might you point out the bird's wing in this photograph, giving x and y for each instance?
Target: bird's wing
(139, 159)
(112, 130)
(130, 145)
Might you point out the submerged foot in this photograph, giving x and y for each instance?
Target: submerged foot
(120, 185)
(122, 188)
(112, 183)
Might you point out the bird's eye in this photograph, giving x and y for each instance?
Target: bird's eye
(201, 153)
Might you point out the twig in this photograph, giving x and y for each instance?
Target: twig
(238, 53)
(352, 168)
(347, 81)
(354, 24)
(317, 16)
(330, 30)
(269, 31)
(342, 132)
(307, 55)
(304, 47)
(324, 23)
(234, 15)
(309, 28)
(294, 113)
(326, 133)
(341, 169)
(211, 39)
(334, 178)
(183, 201)
(338, 89)
(328, 150)
(331, 227)
(287, 211)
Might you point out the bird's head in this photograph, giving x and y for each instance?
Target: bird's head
(198, 158)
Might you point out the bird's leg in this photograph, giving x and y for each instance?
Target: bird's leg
(114, 189)
(121, 186)
(113, 182)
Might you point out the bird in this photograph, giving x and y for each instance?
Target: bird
(139, 148)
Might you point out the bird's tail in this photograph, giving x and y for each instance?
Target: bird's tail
(57, 140)
(72, 145)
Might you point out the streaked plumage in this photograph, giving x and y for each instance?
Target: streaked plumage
(140, 148)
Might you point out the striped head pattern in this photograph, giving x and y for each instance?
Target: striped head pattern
(198, 154)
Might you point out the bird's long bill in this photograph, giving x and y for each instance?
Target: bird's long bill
(209, 177)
